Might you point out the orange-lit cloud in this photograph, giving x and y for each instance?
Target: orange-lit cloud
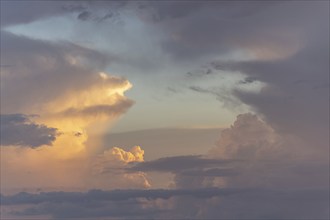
(66, 87)
(74, 114)
(115, 160)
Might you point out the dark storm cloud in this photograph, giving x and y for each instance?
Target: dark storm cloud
(197, 29)
(289, 106)
(289, 41)
(19, 130)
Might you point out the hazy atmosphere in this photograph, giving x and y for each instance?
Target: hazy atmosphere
(164, 109)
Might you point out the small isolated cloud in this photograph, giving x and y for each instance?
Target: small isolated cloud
(19, 130)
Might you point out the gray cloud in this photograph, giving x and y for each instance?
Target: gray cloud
(115, 195)
(84, 15)
(214, 28)
(211, 172)
(18, 12)
(222, 94)
(19, 130)
(288, 47)
(180, 163)
(290, 107)
(129, 203)
(49, 70)
(189, 171)
(23, 12)
(268, 159)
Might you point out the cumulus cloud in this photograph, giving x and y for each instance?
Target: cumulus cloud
(250, 153)
(275, 156)
(19, 130)
(248, 138)
(134, 155)
(268, 159)
(114, 161)
(66, 86)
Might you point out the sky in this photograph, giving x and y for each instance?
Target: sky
(164, 110)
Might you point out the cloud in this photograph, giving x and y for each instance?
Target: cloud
(153, 203)
(222, 94)
(84, 15)
(19, 130)
(196, 30)
(114, 195)
(100, 203)
(24, 12)
(70, 66)
(116, 157)
(135, 155)
(67, 87)
(283, 152)
(248, 138)
(261, 159)
(270, 50)
(178, 164)
(114, 161)
(288, 106)
(191, 168)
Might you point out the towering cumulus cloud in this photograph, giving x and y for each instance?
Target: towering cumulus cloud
(60, 94)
